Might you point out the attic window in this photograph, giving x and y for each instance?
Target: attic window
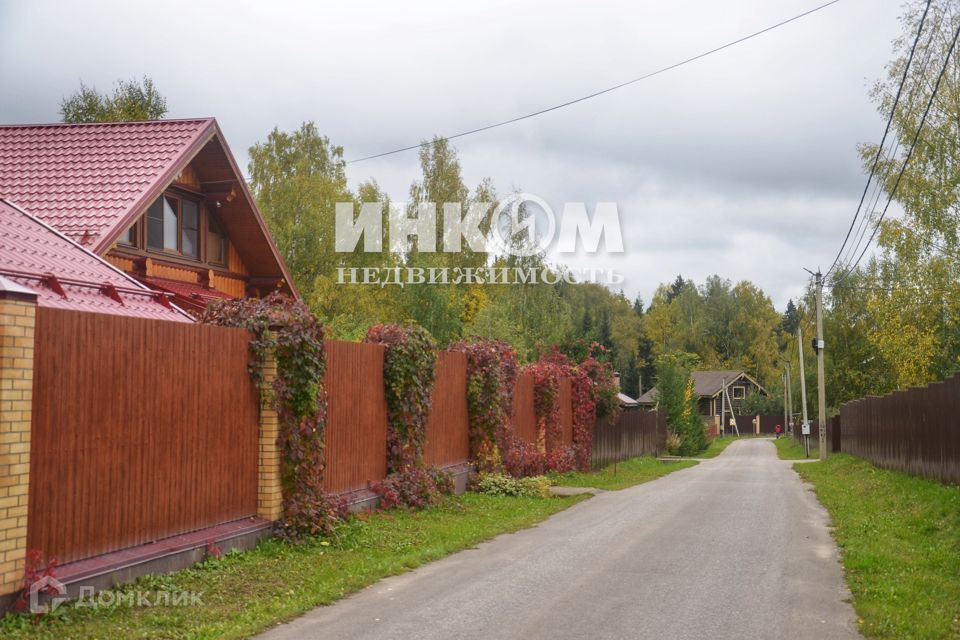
(216, 241)
(129, 236)
(739, 393)
(173, 224)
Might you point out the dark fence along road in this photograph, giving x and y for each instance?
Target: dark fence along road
(915, 430)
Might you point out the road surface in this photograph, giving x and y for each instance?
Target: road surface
(734, 548)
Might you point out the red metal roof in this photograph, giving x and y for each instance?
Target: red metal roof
(83, 179)
(187, 295)
(90, 181)
(66, 276)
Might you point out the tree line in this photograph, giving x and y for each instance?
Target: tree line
(890, 322)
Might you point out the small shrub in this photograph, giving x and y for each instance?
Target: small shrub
(522, 459)
(674, 443)
(35, 569)
(498, 484)
(414, 488)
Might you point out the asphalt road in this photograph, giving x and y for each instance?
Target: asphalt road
(735, 547)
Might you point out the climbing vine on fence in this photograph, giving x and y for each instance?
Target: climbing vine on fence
(408, 377)
(546, 376)
(491, 375)
(285, 326)
(606, 390)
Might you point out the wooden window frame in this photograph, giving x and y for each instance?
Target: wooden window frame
(743, 392)
(141, 248)
(208, 215)
(178, 252)
(137, 242)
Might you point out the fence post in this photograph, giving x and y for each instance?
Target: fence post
(269, 489)
(18, 307)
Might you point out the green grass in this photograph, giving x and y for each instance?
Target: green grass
(622, 475)
(789, 448)
(716, 446)
(244, 593)
(899, 537)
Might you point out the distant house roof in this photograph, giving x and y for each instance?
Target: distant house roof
(626, 401)
(64, 275)
(91, 181)
(706, 384)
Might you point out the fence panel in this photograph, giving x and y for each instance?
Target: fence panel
(524, 419)
(448, 423)
(634, 433)
(142, 430)
(914, 430)
(356, 433)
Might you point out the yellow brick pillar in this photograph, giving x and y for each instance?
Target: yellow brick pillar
(269, 490)
(18, 307)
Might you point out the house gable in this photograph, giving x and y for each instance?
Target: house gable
(94, 182)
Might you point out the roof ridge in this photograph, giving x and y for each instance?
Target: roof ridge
(38, 125)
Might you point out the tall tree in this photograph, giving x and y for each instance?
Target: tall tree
(297, 178)
(638, 306)
(131, 100)
(906, 300)
(443, 308)
(791, 318)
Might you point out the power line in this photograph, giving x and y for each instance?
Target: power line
(607, 90)
(913, 144)
(886, 131)
(877, 192)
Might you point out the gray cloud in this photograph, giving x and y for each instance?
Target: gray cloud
(742, 164)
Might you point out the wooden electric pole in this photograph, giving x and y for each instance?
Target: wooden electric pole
(783, 377)
(805, 428)
(821, 383)
(789, 401)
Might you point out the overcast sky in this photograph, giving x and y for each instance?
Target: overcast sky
(743, 164)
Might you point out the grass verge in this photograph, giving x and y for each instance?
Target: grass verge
(716, 446)
(789, 448)
(244, 593)
(622, 475)
(899, 537)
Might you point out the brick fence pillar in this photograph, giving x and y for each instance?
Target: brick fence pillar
(18, 307)
(269, 489)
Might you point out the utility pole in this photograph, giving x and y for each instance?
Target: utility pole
(727, 404)
(733, 418)
(821, 383)
(805, 428)
(783, 378)
(789, 401)
(723, 409)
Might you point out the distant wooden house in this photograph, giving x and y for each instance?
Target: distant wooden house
(709, 387)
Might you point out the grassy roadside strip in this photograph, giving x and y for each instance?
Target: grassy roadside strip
(788, 448)
(899, 538)
(244, 593)
(716, 446)
(622, 475)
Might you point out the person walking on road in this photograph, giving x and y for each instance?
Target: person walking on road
(778, 430)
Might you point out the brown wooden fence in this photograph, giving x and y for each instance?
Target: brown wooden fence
(635, 433)
(145, 429)
(142, 429)
(448, 422)
(915, 430)
(524, 419)
(356, 431)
